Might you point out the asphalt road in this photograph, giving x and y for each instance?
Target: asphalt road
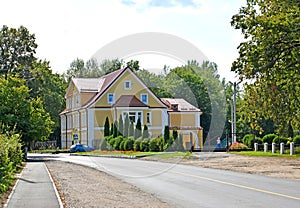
(188, 186)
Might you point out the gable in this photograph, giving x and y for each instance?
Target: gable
(128, 83)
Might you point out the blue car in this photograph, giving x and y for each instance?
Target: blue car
(80, 148)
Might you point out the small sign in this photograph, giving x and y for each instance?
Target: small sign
(75, 137)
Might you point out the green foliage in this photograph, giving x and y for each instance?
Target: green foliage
(269, 138)
(21, 114)
(138, 129)
(117, 142)
(17, 49)
(105, 143)
(115, 129)
(269, 58)
(120, 130)
(250, 139)
(296, 139)
(10, 158)
(131, 129)
(106, 127)
(111, 129)
(144, 145)
(175, 134)
(145, 132)
(137, 144)
(280, 139)
(156, 144)
(126, 126)
(128, 144)
(166, 134)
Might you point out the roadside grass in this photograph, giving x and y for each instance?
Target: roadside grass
(163, 155)
(265, 154)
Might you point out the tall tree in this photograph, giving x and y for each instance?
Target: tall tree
(126, 126)
(270, 58)
(138, 129)
(17, 50)
(121, 124)
(106, 127)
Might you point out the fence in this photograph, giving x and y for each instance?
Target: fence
(45, 145)
(291, 148)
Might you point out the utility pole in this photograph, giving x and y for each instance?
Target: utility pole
(234, 113)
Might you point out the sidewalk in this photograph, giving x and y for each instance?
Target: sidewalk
(34, 188)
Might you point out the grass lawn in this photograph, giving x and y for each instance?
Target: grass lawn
(165, 155)
(265, 154)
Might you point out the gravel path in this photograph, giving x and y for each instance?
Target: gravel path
(81, 186)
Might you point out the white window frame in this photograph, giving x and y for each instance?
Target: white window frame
(113, 98)
(144, 94)
(125, 86)
(136, 115)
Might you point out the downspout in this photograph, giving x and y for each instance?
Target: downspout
(87, 127)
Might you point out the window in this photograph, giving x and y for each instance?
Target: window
(127, 85)
(70, 102)
(144, 98)
(77, 101)
(133, 116)
(149, 118)
(110, 98)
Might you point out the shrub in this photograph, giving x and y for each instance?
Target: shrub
(144, 145)
(11, 157)
(103, 144)
(250, 139)
(137, 144)
(238, 146)
(278, 140)
(269, 138)
(121, 146)
(156, 144)
(296, 139)
(117, 142)
(128, 144)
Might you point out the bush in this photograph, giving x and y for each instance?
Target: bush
(278, 140)
(296, 139)
(11, 157)
(137, 144)
(156, 144)
(269, 138)
(250, 139)
(128, 144)
(117, 142)
(238, 146)
(103, 144)
(144, 145)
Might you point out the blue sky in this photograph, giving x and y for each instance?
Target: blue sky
(69, 29)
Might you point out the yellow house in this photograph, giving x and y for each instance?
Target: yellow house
(90, 100)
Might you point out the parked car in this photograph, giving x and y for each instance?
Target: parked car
(80, 148)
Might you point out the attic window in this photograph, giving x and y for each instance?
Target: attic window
(127, 85)
(174, 107)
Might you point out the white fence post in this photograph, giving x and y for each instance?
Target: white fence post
(255, 147)
(266, 147)
(292, 148)
(273, 148)
(281, 148)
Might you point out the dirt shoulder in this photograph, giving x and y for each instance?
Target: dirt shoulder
(279, 167)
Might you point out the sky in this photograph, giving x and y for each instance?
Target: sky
(70, 29)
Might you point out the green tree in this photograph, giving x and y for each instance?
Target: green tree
(269, 57)
(50, 88)
(138, 129)
(121, 124)
(145, 132)
(106, 127)
(17, 50)
(126, 127)
(167, 135)
(131, 129)
(115, 129)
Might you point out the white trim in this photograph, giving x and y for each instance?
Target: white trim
(154, 127)
(90, 126)
(164, 120)
(184, 112)
(127, 81)
(198, 119)
(99, 128)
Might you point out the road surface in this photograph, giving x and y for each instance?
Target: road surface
(188, 186)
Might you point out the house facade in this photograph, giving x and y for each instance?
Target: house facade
(90, 100)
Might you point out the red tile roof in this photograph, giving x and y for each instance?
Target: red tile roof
(129, 101)
(179, 104)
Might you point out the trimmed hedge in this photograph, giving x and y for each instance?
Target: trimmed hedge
(296, 139)
(269, 138)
